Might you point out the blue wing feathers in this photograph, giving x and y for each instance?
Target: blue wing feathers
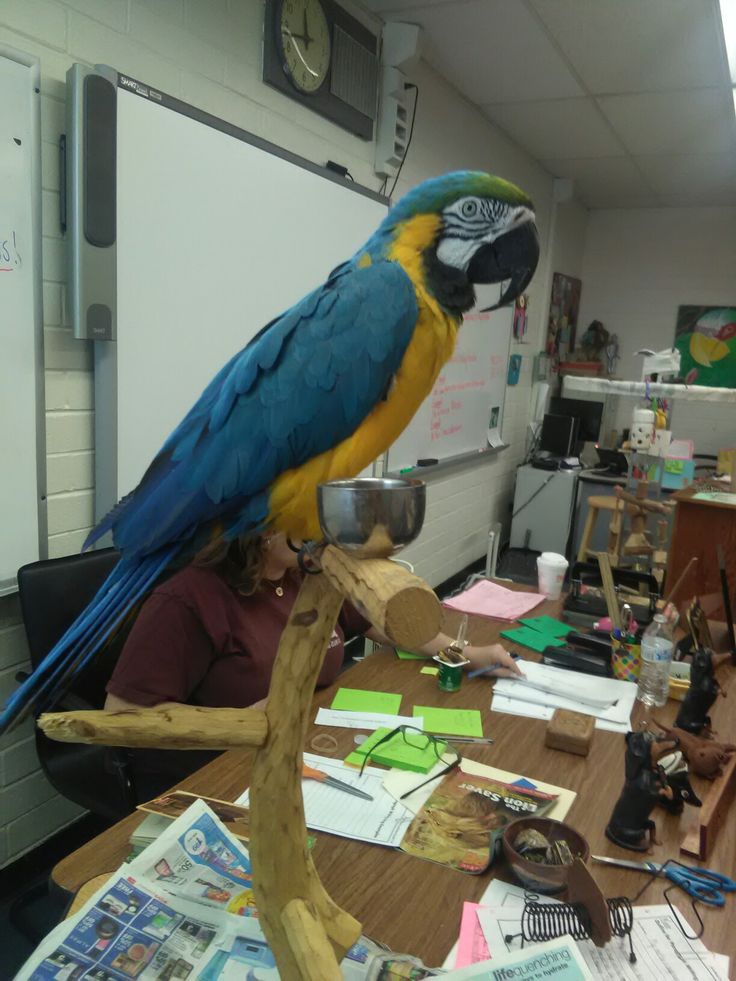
(302, 385)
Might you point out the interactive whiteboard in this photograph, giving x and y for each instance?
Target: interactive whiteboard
(213, 234)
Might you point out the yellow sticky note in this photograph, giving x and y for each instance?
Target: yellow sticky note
(433, 671)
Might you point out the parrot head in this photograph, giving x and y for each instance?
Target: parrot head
(460, 230)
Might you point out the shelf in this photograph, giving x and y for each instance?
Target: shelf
(683, 393)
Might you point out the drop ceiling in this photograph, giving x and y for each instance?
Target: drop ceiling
(631, 99)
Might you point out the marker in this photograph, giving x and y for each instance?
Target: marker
(406, 470)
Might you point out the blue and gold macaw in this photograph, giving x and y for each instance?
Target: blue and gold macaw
(317, 395)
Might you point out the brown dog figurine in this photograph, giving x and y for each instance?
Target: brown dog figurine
(705, 757)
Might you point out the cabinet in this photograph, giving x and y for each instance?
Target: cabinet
(544, 502)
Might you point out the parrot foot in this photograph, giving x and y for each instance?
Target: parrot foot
(308, 557)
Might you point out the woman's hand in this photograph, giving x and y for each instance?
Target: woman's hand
(493, 655)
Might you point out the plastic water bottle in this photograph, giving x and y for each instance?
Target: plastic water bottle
(656, 657)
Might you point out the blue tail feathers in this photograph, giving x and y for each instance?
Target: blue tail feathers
(123, 588)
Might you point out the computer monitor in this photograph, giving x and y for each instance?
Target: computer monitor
(558, 435)
(588, 414)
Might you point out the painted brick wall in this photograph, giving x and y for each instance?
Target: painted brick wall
(208, 53)
(639, 266)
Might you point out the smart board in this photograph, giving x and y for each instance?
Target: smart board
(215, 233)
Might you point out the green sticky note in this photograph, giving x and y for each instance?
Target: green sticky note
(533, 639)
(434, 671)
(411, 752)
(450, 722)
(357, 700)
(409, 656)
(548, 625)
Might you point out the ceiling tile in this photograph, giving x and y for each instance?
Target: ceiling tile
(695, 121)
(608, 182)
(557, 128)
(692, 179)
(494, 51)
(638, 45)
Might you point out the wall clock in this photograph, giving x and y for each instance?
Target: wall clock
(319, 55)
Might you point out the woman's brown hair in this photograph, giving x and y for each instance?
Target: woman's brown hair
(239, 562)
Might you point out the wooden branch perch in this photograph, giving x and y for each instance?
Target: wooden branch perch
(307, 931)
(401, 605)
(175, 727)
(288, 892)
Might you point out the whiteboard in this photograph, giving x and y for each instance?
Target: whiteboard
(217, 233)
(464, 412)
(22, 442)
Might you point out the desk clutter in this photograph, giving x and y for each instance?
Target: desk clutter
(407, 785)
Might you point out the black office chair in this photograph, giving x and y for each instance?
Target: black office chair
(109, 782)
(52, 594)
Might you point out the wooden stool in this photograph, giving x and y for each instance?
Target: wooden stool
(615, 508)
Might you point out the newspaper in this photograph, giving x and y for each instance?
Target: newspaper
(182, 909)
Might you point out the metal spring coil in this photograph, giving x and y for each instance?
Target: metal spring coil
(547, 921)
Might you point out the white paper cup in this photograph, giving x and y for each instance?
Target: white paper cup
(551, 569)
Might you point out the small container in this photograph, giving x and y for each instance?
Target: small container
(536, 876)
(450, 676)
(625, 659)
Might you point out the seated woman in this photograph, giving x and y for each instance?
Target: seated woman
(209, 635)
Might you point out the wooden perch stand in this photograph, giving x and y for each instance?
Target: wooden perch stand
(308, 933)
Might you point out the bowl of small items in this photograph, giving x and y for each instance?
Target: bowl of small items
(541, 851)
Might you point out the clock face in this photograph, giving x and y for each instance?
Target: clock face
(305, 43)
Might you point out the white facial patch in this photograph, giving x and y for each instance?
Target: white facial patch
(472, 222)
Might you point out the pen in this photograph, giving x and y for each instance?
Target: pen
(491, 667)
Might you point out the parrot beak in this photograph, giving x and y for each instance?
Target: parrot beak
(513, 256)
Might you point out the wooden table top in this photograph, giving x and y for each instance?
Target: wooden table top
(415, 906)
(687, 496)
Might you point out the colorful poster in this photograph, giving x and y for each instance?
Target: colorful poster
(706, 340)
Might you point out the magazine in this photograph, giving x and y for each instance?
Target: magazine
(172, 804)
(462, 821)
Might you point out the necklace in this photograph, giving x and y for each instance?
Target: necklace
(277, 587)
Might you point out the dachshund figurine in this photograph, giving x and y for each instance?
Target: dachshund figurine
(678, 777)
(704, 689)
(645, 785)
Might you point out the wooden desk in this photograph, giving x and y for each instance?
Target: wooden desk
(414, 906)
(698, 527)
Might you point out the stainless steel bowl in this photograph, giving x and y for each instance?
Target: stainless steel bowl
(369, 516)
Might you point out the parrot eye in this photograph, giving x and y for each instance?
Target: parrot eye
(469, 209)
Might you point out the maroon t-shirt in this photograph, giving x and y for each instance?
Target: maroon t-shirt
(198, 641)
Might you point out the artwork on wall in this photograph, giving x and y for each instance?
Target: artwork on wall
(564, 307)
(521, 317)
(514, 369)
(706, 340)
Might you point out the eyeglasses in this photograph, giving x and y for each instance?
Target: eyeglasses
(417, 739)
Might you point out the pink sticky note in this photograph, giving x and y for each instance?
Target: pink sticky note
(471, 944)
(488, 599)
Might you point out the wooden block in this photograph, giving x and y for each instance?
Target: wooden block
(572, 732)
(700, 839)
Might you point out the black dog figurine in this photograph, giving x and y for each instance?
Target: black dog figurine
(678, 777)
(645, 785)
(693, 715)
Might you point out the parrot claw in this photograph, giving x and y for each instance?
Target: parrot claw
(308, 557)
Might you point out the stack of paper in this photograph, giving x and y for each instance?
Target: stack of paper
(381, 821)
(662, 951)
(488, 599)
(546, 688)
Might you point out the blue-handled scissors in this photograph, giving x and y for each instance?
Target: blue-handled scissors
(702, 884)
